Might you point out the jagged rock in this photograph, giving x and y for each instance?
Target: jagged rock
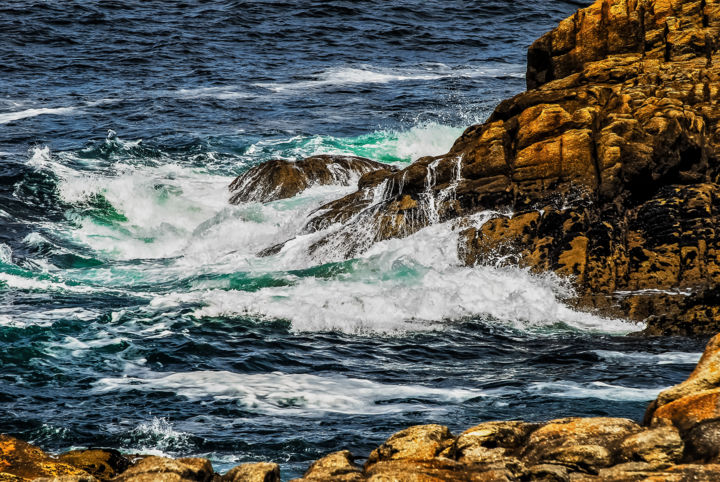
(280, 179)
(257, 472)
(584, 444)
(418, 443)
(610, 164)
(104, 464)
(21, 461)
(336, 466)
(162, 469)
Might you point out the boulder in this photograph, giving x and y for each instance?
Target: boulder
(491, 441)
(21, 461)
(658, 447)
(418, 443)
(257, 472)
(705, 376)
(336, 466)
(582, 444)
(702, 442)
(162, 469)
(104, 464)
(281, 179)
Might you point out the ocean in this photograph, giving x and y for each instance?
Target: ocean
(135, 312)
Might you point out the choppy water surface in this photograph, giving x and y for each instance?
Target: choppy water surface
(134, 312)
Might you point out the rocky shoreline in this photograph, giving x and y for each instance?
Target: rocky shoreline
(679, 440)
(608, 165)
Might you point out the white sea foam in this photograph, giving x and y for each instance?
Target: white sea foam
(415, 283)
(156, 436)
(412, 283)
(367, 74)
(666, 358)
(599, 390)
(7, 117)
(229, 92)
(5, 254)
(34, 284)
(430, 139)
(303, 394)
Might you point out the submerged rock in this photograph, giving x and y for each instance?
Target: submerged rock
(281, 179)
(609, 163)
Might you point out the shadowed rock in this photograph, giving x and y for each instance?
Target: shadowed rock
(281, 179)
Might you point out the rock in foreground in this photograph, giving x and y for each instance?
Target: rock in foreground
(281, 179)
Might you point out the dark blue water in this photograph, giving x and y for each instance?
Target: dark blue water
(133, 311)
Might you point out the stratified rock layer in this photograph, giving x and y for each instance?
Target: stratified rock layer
(609, 164)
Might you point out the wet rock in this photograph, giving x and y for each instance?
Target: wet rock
(280, 179)
(162, 469)
(104, 464)
(257, 472)
(21, 461)
(418, 443)
(336, 466)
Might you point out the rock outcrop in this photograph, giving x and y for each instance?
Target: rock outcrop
(608, 164)
(281, 179)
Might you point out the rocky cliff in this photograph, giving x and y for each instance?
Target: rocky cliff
(608, 164)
